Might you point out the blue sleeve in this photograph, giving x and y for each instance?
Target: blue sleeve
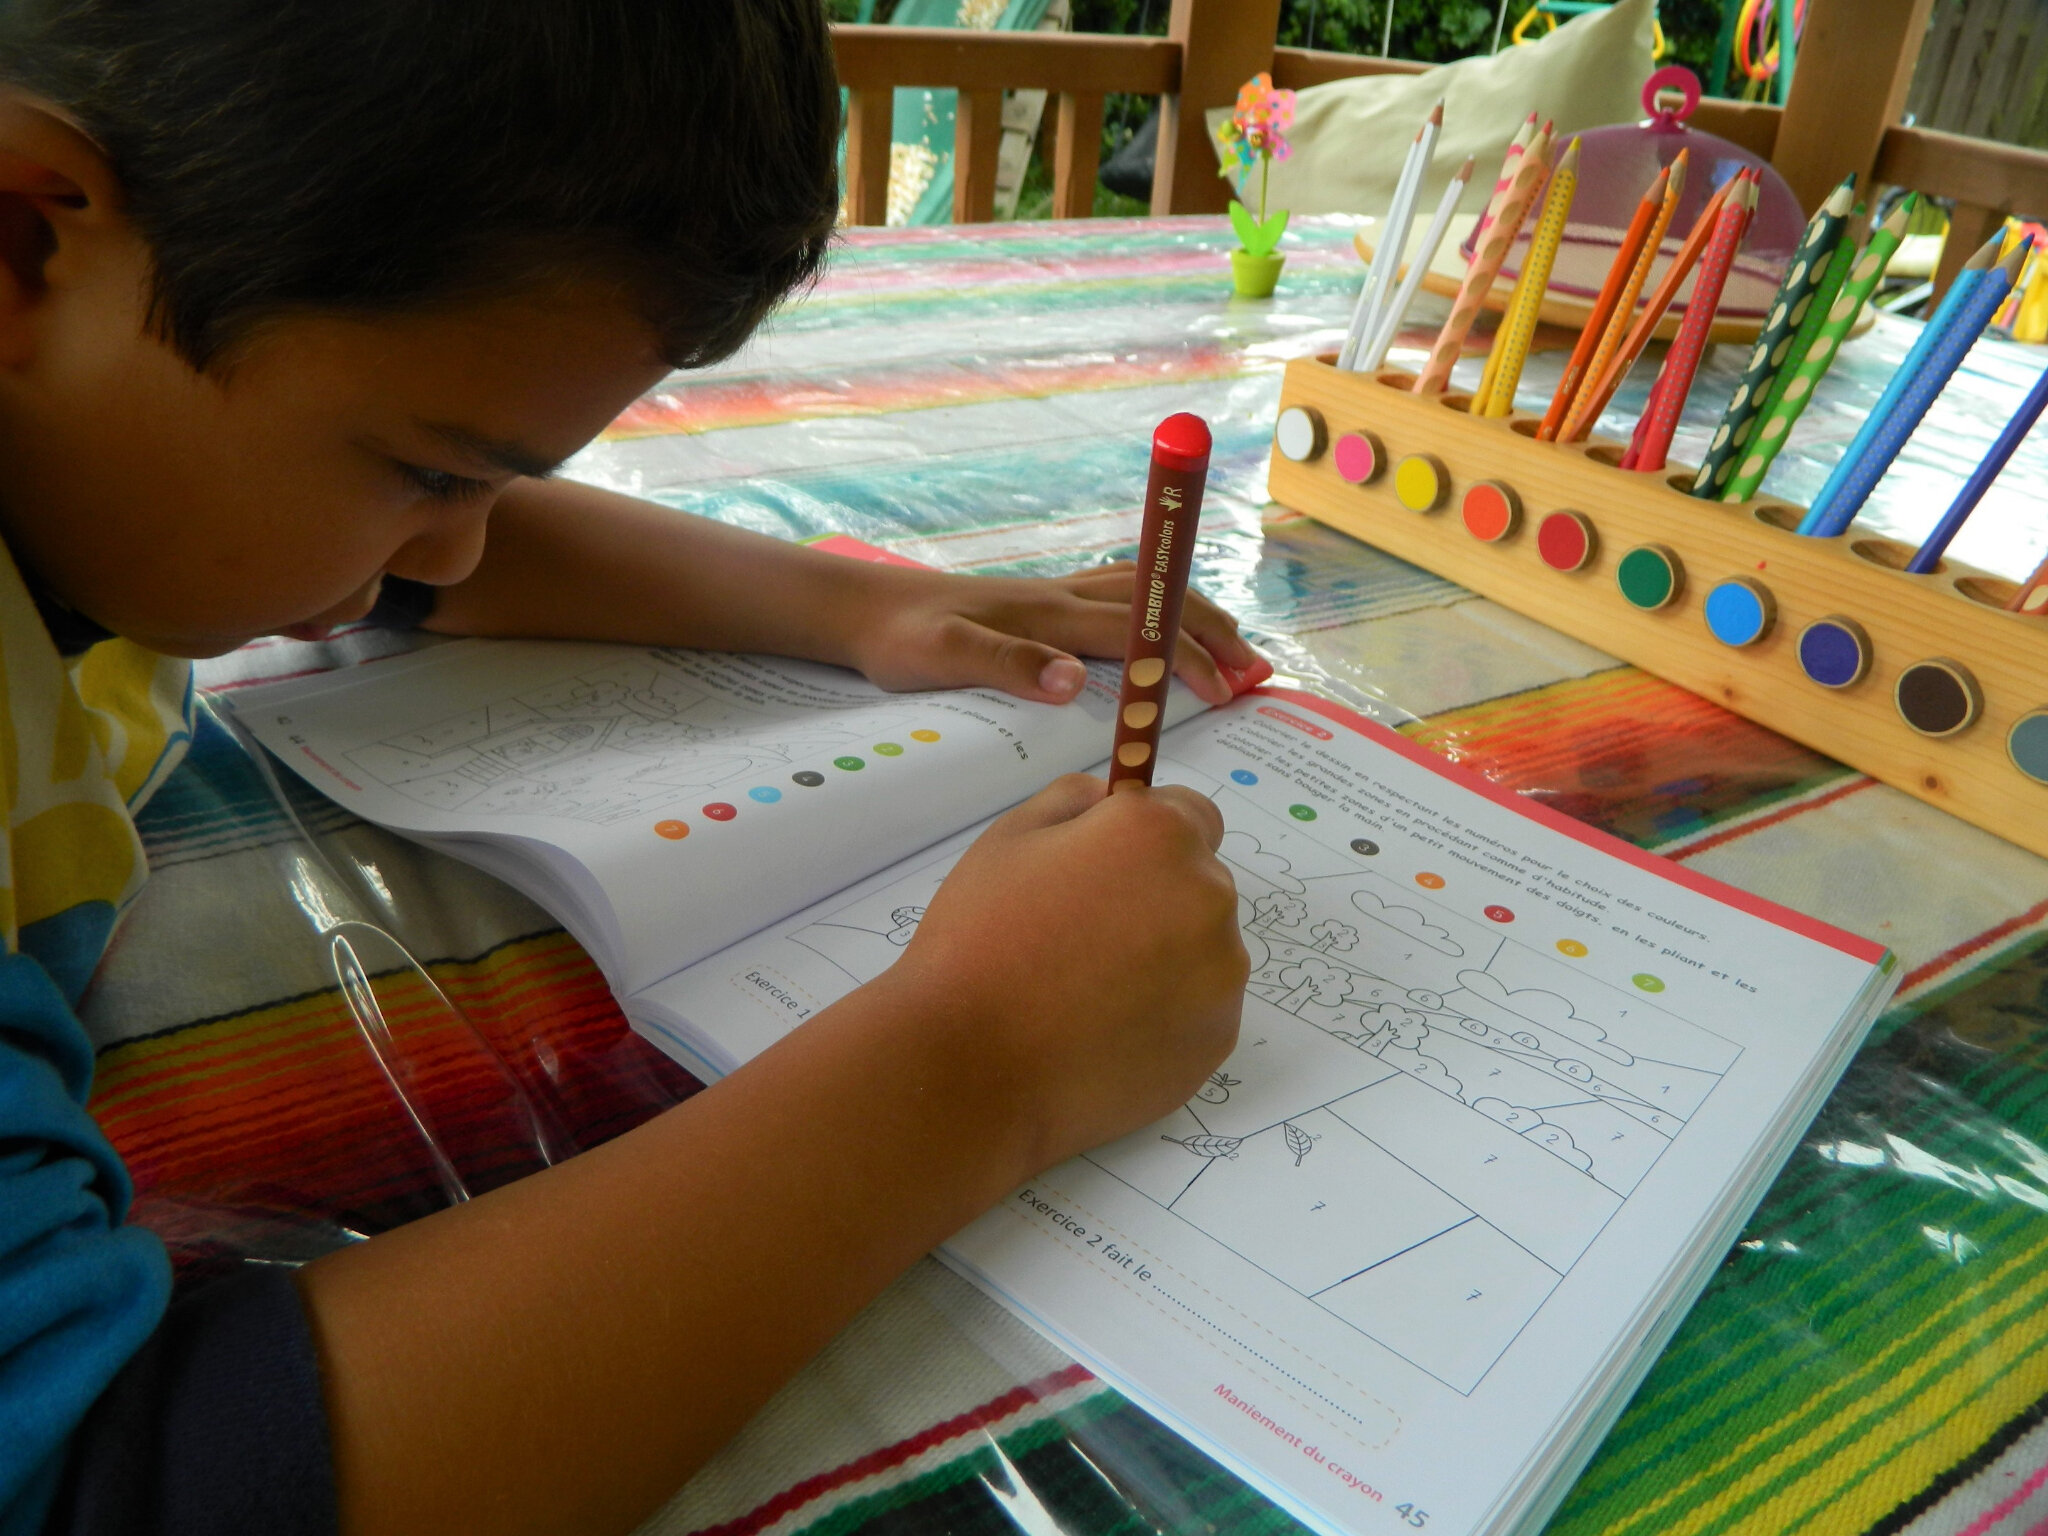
(113, 1416)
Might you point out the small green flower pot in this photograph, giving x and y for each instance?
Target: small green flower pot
(1254, 276)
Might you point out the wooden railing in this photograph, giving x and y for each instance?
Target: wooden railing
(1856, 62)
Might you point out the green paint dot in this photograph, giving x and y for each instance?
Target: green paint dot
(850, 764)
(888, 749)
(1648, 982)
(1302, 812)
(1647, 576)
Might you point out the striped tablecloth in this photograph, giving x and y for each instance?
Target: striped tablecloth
(1870, 1356)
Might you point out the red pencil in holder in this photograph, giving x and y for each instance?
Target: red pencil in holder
(1166, 549)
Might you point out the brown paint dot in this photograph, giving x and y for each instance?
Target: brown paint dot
(1937, 697)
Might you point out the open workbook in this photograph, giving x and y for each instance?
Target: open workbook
(1506, 1087)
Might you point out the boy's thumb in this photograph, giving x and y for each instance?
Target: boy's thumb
(1027, 668)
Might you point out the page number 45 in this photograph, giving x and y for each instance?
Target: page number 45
(1415, 1517)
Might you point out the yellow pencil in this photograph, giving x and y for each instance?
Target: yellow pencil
(1579, 421)
(1526, 307)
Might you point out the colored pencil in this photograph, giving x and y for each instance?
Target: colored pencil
(1166, 552)
(1529, 172)
(1674, 277)
(1935, 357)
(2032, 596)
(1795, 386)
(1681, 363)
(1603, 307)
(1774, 344)
(1393, 237)
(1374, 353)
(1579, 420)
(1496, 395)
(1928, 555)
(1517, 147)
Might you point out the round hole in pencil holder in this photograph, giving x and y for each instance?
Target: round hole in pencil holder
(1327, 359)
(1889, 553)
(1300, 434)
(2027, 744)
(1740, 611)
(1421, 482)
(1462, 404)
(1650, 576)
(1991, 591)
(1682, 483)
(1565, 541)
(1938, 697)
(1526, 425)
(1834, 651)
(1360, 457)
(1605, 453)
(1395, 378)
(1772, 515)
(1492, 511)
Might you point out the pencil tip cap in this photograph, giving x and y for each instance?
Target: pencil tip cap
(1182, 441)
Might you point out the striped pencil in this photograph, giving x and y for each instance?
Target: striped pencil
(1494, 353)
(1795, 387)
(1940, 350)
(1436, 373)
(2032, 596)
(1393, 236)
(1674, 277)
(1579, 420)
(1928, 555)
(1774, 345)
(1603, 307)
(1517, 147)
(1496, 396)
(1681, 364)
(1374, 352)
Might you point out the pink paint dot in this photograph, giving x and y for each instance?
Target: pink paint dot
(1500, 914)
(1358, 457)
(718, 810)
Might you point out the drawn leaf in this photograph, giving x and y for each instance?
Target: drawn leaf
(1208, 1146)
(1299, 1142)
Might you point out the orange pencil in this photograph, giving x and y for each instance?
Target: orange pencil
(1579, 420)
(1603, 307)
(1667, 290)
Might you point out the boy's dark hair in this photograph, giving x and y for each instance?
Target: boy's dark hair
(376, 155)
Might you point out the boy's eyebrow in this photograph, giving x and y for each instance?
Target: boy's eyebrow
(513, 458)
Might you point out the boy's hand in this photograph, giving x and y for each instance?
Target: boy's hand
(1088, 944)
(926, 629)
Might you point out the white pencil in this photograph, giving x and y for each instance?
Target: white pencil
(1375, 350)
(1393, 236)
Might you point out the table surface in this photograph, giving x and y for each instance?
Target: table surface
(1873, 1353)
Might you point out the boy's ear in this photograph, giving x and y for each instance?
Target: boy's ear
(57, 191)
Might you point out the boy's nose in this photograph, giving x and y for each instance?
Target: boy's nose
(445, 554)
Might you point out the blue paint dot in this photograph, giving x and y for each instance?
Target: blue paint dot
(2028, 744)
(1833, 652)
(765, 794)
(1738, 613)
(1244, 776)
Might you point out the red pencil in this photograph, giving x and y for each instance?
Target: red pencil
(1166, 549)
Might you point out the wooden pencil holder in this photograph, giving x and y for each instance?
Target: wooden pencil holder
(1923, 682)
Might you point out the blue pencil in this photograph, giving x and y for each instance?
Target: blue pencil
(1929, 554)
(1945, 340)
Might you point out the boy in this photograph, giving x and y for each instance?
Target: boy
(296, 301)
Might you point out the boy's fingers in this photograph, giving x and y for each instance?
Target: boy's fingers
(1060, 801)
(1199, 810)
(974, 655)
(1217, 631)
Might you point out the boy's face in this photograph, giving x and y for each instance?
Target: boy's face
(191, 512)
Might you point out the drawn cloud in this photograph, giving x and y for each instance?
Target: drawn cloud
(1490, 999)
(1513, 1116)
(1407, 920)
(1243, 851)
(1554, 1139)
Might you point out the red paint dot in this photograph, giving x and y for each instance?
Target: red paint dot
(1500, 914)
(718, 810)
(1565, 541)
(674, 831)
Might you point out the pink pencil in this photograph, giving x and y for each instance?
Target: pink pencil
(1517, 147)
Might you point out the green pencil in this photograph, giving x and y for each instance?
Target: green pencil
(1817, 310)
(1782, 412)
(1773, 352)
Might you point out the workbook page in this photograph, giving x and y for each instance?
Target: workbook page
(664, 803)
(1498, 1081)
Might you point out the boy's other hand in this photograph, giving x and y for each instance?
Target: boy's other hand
(1089, 945)
(928, 629)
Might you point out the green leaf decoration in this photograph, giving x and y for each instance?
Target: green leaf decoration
(1245, 225)
(1271, 231)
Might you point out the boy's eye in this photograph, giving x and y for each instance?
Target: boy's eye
(443, 485)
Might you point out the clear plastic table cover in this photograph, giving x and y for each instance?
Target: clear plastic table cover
(1872, 1351)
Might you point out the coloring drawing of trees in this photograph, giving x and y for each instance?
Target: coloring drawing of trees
(1313, 981)
(1330, 935)
(1275, 910)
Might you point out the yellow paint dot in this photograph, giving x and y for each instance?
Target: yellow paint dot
(1571, 947)
(1138, 716)
(924, 735)
(674, 831)
(1133, 753)
(1419, 483)
(1147, 670)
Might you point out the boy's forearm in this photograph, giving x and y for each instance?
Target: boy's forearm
(562, 1353)
(570, 561)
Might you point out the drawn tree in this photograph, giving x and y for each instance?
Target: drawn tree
(1330, 935)
(1393, 1025)
(1313, 981)
(905, 920)
(1217, 1089)
(1277, 910)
